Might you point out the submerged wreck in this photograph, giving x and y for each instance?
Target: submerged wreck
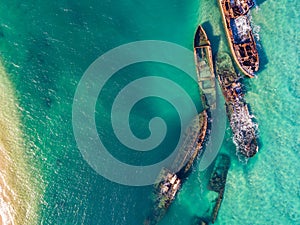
(165, 191)
(235, 16)
(193, 144)
(200, 221)
(204, 67)
(217, 182)
(216, 185)
(170, 179)
(243, 128)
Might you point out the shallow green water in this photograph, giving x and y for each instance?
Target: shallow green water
(46, 47)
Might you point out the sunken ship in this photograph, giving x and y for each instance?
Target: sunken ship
(170, 179)
(216, 187)
(243, 128)
(204, 67)
(217, 182)
(236, 20)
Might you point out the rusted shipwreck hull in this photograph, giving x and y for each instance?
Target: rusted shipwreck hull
(170, 179)
(204, 67)
(236, 20)
(243, 127)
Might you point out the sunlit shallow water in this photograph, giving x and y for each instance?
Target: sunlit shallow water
(46, 47)
(19, 199)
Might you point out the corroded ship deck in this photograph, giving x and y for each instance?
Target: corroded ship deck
(170, 179)
(243, 128)
(204, 67)
(235, 16)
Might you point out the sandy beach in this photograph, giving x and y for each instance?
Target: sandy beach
(17, 206)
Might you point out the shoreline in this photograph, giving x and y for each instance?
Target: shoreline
(18, 196)
(6, 214)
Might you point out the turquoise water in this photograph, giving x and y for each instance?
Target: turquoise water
(47, 45)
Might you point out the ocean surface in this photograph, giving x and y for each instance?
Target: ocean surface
(45, 48)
